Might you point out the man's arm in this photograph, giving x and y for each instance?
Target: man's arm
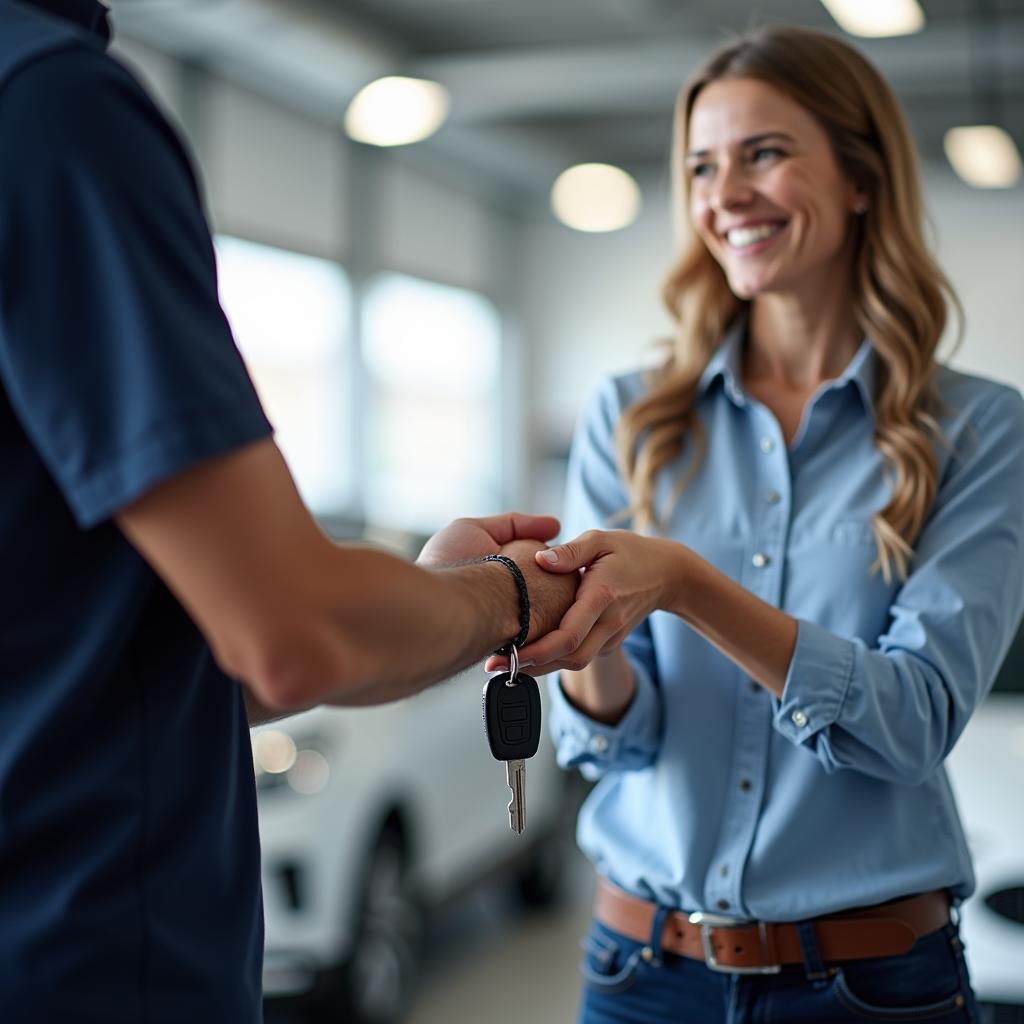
(301, 620)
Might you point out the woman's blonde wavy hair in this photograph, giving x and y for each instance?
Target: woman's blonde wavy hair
(901, 295)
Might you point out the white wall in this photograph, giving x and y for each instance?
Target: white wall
(271, 176)
(592, 307)
(980, 244)
(431, 230)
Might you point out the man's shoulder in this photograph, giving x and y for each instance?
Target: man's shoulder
(67, 75)
(76, 109)
(28, 36)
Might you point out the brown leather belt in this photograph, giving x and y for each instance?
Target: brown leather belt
(759, 947)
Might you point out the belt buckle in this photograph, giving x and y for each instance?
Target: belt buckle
(708, 922)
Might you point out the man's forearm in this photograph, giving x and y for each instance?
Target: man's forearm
(401, 629)
(302, 620)
(450, 618)
(489, 618)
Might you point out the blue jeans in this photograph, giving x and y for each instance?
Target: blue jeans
(621, 986)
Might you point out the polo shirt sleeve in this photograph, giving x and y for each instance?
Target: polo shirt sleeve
(595, 495)
(114, 351)
(895, 710)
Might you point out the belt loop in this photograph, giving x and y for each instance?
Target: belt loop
(652, 952)
(813, 964)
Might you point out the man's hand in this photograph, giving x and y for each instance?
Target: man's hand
(468, 540)
(551, 594)
(625, 578)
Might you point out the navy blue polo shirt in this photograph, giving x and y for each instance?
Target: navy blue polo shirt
(129, 855)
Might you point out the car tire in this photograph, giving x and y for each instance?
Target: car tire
(376, 984)
(538, 883)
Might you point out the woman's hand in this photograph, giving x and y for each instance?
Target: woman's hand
(624, 577)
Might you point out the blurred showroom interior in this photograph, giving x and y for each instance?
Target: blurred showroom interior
(517, 315)
(423, 307)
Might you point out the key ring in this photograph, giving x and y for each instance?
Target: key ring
(513, 666)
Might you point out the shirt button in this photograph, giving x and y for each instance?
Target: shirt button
(799, 718)
(599, 744)
(773, 497)
(767, 445)
(722, 904)
(746, 785)
(724, 870)
(760, 560)
(755, 687)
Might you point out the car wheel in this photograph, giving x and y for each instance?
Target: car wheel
(375, 985)
(538, 883)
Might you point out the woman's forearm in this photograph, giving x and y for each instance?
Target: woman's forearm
(604, 689)
(755, 635)
(629, 576)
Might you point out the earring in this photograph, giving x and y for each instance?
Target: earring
(861, 206)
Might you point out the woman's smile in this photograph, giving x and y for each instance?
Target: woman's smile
(754, 237)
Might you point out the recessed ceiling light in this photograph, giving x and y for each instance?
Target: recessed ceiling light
(877, 17)
(395, 111)
(595, 197)
(983, 155)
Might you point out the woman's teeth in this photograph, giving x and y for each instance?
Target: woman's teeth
(739, 238)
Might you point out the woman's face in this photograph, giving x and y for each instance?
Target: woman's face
(766, 194)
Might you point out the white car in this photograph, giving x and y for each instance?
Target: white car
(369, 817)
(986, 769)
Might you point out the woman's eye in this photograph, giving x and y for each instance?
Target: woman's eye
(700, 170)
(764, 153)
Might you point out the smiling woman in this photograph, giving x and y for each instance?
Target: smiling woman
(797, 181)
(768, 690)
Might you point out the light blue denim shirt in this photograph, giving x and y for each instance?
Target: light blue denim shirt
(714, 795)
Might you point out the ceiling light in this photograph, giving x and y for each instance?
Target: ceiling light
(273, 751)
(877, 17)
(595, 197)
(395, 111)
(983, 155)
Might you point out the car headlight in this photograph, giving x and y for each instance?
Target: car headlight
(1008, 903)
(282, 761)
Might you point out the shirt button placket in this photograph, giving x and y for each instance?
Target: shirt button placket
(768, 526)
(762, 576)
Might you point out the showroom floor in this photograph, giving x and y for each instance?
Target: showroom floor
(480, 947)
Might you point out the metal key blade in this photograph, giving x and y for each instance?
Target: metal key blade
(517, 783)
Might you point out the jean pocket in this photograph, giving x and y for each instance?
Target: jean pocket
(923, 984)
(610, 963)
(951, 1007)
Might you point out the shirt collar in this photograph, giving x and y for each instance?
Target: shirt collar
(727, 363)
(89, 15)
(861, 373)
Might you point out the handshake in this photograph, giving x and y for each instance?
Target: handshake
(586, 595)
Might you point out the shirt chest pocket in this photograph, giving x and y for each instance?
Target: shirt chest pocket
(725, 554)
(852, 533)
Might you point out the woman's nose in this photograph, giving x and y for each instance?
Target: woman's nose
(730, 188)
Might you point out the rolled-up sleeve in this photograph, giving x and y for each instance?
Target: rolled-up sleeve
(894, 710)
(595, 498)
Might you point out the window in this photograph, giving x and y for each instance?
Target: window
(432, 358)
(291, 318)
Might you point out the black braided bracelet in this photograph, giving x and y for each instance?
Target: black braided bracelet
(524, 598)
